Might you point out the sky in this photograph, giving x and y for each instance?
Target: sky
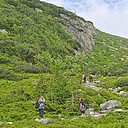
(110, 16)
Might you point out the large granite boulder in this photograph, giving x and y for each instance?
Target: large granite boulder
(109, 105)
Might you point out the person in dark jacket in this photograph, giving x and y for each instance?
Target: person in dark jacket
(41, 102)
(82, 107)
(84, 78)
(90, 78)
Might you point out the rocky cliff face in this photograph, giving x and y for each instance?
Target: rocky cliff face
(83, 31)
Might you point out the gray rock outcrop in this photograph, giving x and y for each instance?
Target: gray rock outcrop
(83, 31)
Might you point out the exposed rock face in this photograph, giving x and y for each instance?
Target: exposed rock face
(83, 31)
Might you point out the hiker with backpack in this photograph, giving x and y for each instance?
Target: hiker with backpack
(82, 107)
(40, 105)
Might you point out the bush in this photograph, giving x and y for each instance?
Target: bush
(28, 68)
(122, 82)
(6, 74)
(4, 60)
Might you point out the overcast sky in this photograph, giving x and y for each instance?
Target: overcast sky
(110, 16)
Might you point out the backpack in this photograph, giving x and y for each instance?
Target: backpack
(37, 105)
(83, 106)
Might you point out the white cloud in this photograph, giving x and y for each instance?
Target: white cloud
(110, 16)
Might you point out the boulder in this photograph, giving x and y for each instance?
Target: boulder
(109, 104)
(5, 123)
(119, 110)
(44, 121)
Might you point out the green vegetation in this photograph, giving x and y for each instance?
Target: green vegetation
(39, 57)
(109, 54)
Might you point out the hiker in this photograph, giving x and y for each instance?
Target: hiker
(82, 107)
(90, 78)
(98, 74)
(41, 106)
(84, 78)
(109, 74)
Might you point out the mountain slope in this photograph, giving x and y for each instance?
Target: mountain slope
(44, 50)
(30, 27)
